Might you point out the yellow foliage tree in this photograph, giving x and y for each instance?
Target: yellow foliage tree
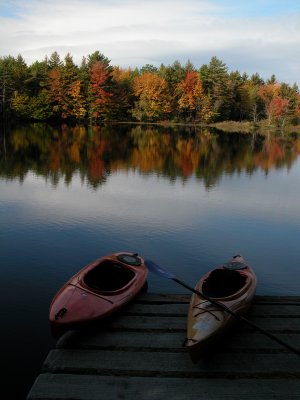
(153, 100)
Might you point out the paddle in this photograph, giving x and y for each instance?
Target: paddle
(166, 274)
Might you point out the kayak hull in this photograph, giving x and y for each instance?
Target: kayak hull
(232, 284)
(97, 290)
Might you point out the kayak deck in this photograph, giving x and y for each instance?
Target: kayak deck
(97, 290)
(138, 353)
(231, 285)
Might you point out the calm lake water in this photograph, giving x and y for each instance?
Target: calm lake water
(187, 199)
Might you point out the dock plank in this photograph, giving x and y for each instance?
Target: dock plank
(181, 309)
(173, 340)
(94, 387)
(178, 323)
(138, 353)
(152, 363)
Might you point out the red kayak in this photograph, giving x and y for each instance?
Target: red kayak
(99, 289)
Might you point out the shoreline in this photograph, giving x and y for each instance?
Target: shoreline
(246, 127)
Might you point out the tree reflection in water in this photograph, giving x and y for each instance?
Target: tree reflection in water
(96, 152)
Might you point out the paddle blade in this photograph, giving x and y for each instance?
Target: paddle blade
(158, 270)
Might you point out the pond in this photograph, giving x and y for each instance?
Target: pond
(187, 198)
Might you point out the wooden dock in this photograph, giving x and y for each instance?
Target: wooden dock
(138, 354)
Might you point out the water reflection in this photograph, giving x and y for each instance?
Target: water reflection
(211, 201)
(59, 153)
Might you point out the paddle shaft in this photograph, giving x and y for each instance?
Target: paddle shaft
(240, 317)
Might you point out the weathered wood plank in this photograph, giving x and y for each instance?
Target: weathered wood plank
(146, 322)
(177, 309)
(169, 323)
(181, 309)
(171, 340)
(172, 364)
(155, 298)
(277, 299)
(93, 387)
(121, 339)
(262, 307)
(185, 298)
(282, 310)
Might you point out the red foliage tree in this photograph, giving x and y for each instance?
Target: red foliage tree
(98, 93)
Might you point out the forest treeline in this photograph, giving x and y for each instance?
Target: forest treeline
(96, 91)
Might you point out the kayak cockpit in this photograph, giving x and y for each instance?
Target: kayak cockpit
(108, 276)
(223, 283)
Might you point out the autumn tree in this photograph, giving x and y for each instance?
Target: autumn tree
(99, 96)
(189, 91)
(191, 98)
(251, 103)
(174, 74)
(268, 93)
(99, 86)
(297, 109)
(153, 99)
(280, 102)
(55, 91)
(78, 110)
(279, 108)
(291, 93)
(73, 104)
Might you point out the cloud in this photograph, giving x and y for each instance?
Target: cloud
(133, 33)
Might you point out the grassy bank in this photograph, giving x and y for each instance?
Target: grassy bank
(261, 127)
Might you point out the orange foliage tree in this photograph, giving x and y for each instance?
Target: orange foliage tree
(189, 92)
(55, 90)
(79, 106)
(279, 107)
(192, 101)
(268, 93)
(153, 99)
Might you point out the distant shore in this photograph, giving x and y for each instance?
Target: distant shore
(261, 127)
(246, 127)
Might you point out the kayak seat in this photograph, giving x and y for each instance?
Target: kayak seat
(108, 277)
(223, 283)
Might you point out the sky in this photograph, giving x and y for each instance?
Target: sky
(258, 36)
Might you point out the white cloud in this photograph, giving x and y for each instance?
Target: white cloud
(133, 33)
